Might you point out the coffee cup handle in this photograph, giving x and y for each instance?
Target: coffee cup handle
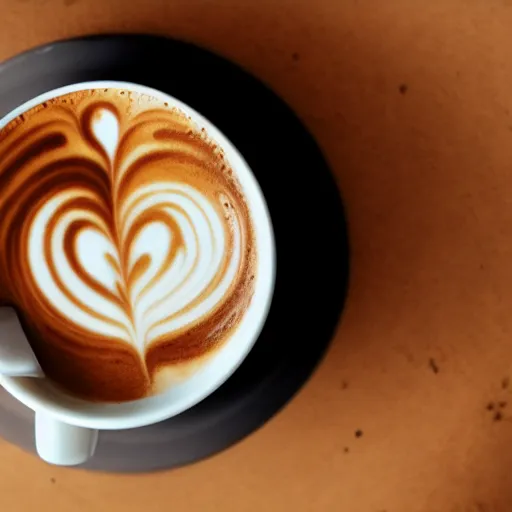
(57, 442)
(63, 444)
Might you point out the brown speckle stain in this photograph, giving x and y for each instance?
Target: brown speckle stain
(490, 406)
(502, 404)
(344, 384)
(52, 480)
(498, 416)
(403, 88)
(346, 449)
(505, 383)
(359, 433)
(295, 56)
(433, 365)
(69, 3)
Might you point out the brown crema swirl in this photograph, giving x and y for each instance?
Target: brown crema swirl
(126, 243)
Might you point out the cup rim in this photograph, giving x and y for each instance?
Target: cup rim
(83, 413)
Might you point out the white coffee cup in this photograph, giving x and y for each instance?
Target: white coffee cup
(66, 427)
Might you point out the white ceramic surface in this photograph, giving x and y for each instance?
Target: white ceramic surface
(66, 427)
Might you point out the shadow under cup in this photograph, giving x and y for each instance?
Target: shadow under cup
(41, 395)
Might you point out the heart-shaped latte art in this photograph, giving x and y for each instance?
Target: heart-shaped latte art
(121, 230)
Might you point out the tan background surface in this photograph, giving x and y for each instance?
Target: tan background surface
(412, 103)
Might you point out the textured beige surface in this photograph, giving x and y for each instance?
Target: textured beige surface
(412, 103)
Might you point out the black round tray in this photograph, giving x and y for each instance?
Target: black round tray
(312, 253)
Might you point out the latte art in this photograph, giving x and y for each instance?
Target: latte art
(125, 240)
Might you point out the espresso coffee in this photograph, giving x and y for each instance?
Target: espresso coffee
(126, 242)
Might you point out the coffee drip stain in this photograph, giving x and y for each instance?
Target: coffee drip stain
(117, 246)
(433, 365)
(497, 408)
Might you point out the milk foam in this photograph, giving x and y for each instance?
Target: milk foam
(168, 295)
(125, 241)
